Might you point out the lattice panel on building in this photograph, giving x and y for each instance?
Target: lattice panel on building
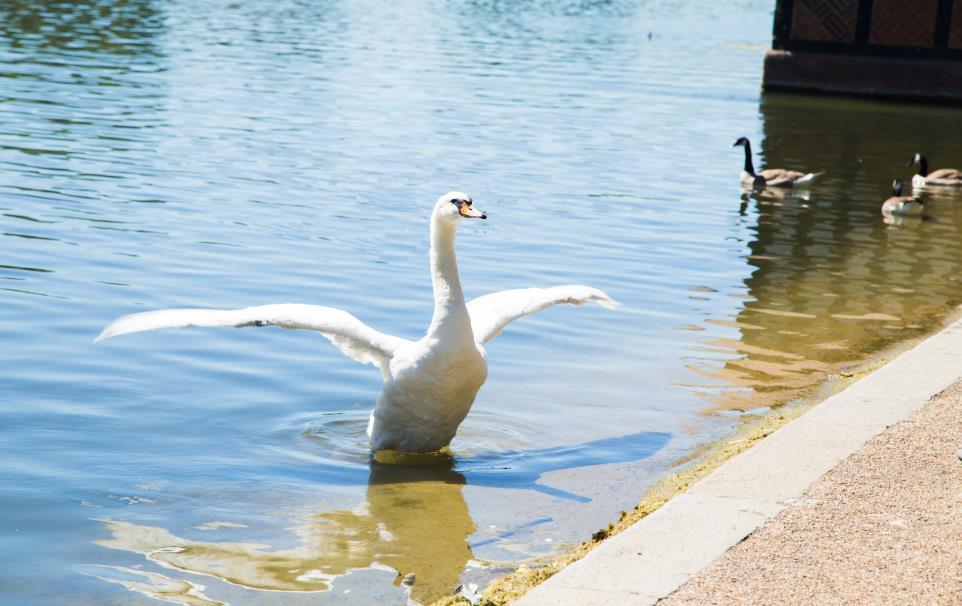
(899, 48)
(955, 37)
(824, 20)
(903, 22)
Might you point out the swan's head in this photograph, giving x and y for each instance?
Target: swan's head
(455, 205)
(741, 142)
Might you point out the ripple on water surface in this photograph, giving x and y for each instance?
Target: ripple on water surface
(219, 154)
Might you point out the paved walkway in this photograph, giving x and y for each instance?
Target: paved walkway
(884, 527)
(778, 486)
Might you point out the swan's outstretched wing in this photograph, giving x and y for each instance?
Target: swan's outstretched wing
(491, 313)
(356, 339)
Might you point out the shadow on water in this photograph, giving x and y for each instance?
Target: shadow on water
(522, 469)
(414, 519)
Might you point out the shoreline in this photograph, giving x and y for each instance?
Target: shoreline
(690, 470)
(882, 526)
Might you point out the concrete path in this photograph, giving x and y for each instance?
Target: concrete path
(883, 527)
(656, 556)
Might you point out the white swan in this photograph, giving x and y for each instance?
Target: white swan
(429, 384)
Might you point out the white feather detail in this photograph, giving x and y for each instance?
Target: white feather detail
(806, 179)
(355, 339)
(429, 384)
(491, 313)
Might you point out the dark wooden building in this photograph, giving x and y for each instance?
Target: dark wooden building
(889, 48)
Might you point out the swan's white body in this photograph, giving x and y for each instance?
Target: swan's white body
(429, 384)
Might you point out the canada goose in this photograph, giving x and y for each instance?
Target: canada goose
(945, 177)
(429, 384)
(901, 205)
(770, 177)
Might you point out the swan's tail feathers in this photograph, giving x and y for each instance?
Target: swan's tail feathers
(807, 179)
(354, 338)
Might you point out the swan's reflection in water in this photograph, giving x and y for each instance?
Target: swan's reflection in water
(414, 519)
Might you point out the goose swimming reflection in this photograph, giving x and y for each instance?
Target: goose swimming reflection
(414, 519)
(832, 282)
(773, 194)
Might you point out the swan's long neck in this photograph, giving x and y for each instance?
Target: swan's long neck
(450, 310)
(749, 167)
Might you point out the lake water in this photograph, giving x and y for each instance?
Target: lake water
(224, 154)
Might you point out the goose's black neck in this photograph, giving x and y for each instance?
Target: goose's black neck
(749, 167)
(923, 166)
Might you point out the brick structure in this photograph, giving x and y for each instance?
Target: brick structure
(890, 48)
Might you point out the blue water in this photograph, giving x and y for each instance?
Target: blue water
(224, 154)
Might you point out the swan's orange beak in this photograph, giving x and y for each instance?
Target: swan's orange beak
(470, 212)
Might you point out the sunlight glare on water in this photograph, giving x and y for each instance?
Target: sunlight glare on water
(224, 154)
